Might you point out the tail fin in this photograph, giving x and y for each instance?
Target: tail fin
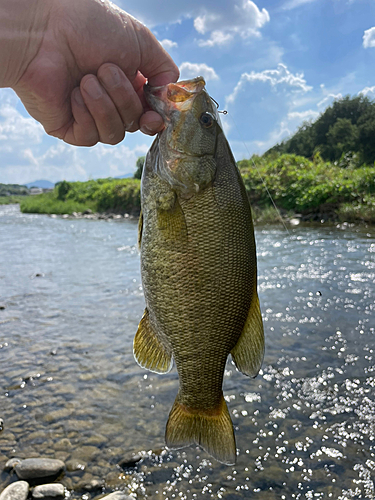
(213, 431)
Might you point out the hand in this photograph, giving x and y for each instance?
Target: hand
(85, 81)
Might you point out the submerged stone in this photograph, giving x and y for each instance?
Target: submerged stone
(15, 491)
(39, 468)
(53, 491)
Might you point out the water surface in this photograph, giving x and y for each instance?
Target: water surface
(70, 388)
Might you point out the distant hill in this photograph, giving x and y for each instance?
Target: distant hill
(343, 133)
(41, 184)
(126, 176)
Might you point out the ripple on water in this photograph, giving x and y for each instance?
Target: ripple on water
(70, 388)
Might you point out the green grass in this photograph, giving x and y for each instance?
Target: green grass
(9, 200)
(302, 186)
(115, 195)
(314, 189)
(47, 203)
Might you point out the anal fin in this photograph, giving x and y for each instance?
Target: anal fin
(248, 353)
(148, 351)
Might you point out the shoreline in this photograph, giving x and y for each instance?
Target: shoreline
(265, 215)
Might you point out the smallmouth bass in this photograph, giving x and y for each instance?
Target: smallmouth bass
(198, 265)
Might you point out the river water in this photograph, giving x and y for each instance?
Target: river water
(71, 300)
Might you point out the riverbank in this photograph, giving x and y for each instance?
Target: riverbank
(310, 191)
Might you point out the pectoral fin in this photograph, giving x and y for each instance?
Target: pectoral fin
(248, 353)
(172, 223)
(148, 351)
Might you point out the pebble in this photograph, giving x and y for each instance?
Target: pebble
(15, 491)
(11, 464)
(53, 491)
(118, 495)
(38, 468)
(130, 460)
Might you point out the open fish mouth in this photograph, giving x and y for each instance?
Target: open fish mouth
(173, 95)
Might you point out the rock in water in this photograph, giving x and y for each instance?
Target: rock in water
(11, 464)
(54, 491)
(39, 468)
(15, 491)
(130, 460)
(118, 495)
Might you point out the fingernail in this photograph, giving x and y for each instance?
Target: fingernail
(110, 77)
(147, 130)
(92, 87)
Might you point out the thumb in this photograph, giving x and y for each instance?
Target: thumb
(156, 64)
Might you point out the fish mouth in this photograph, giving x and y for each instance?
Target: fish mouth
(173, 95)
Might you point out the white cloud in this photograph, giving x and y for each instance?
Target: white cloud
(368, 90)
(168, 44)
(280, 78)
(328, 99)
(369, 38)
(292, 4)
(303, 115)
(217, 38)
(191, 70)
(17, 128)
(239, 18)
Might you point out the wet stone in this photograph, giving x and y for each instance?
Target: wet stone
(88, 483)
(11, 464)
(118, 495)
(15, 491)
(63, 445)
(130, 460)
(73, 465)
(39, 468)
(114, 479)
(54, 491)
(86, 453)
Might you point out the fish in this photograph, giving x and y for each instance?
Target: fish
(198, 267)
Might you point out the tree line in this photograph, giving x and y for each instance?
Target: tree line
(344, 133)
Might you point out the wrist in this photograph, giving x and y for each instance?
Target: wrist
(22, 27)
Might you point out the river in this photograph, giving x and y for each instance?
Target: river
(70, 301)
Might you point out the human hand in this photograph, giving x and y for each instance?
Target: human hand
(85, 81)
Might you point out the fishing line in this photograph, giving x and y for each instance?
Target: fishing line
(224, 112)
(259, 174)
(319, 293)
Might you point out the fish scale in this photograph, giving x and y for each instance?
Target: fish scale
(198, 265)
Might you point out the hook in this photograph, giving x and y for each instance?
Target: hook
(224, 112)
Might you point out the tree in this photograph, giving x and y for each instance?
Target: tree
(63, 188)
(347, 126)
(342, 137)
(139, 167)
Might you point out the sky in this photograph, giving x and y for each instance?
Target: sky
(272, 64)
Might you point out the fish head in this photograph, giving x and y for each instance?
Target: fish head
(187, 144)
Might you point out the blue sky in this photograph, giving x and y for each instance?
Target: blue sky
(271, 64)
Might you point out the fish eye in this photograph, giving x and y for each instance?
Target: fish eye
(207, 120)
